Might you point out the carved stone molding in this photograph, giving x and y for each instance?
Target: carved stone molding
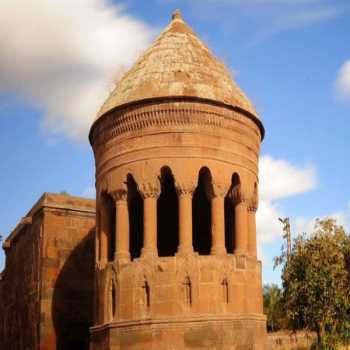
(165, 115)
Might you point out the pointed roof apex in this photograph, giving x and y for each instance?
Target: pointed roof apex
(176, 15)
(177, 64)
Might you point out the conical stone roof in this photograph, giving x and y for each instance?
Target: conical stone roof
(177, 64)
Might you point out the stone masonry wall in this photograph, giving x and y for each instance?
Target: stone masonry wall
(47, 285)
(20, 295)
(67, 279)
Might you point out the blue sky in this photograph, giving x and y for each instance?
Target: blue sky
(58, 61)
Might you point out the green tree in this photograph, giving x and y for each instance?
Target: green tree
(316, 278)
(273, 307)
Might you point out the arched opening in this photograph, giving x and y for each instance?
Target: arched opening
(167, 215)
(225, 294)
(201, 215)
(187, 292)
(230, 214)
(146, 294)
(135, 207)
(107, 226)
(113, 301)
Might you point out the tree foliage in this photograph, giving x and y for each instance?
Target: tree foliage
(316, 280)
(273, 307)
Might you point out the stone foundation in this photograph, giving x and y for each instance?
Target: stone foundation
(239, 332)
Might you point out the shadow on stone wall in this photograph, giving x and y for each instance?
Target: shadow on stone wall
(72, 302)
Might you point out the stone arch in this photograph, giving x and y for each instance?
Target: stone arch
(167, 215)
(187, 292)
(107, 225)
(225, 291)
(201, 213)
(230, 214)
(112, 300)
(146, 294)
(135, 208)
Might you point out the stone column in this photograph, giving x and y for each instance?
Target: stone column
(241, 222)
(252, 228)
(150, 194)
(122, 239)
(218, 220)
(185, 194)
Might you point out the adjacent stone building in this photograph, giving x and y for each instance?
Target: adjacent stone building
(172, 261)
(46, 288)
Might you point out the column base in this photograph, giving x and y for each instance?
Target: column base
(218, 251)
(182, 251)
(122, 256)
(240, 252)
(149, 253)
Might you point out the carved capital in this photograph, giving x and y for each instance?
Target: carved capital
(119, 195)
(237, 195)
(219, 189)
(149, 190)
(183, 189)
(253, 204)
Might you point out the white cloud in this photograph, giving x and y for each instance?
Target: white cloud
(268, 226)
(343, 82)
(64, 56)
(280, 179)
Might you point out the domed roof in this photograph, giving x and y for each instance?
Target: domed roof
(177, 64)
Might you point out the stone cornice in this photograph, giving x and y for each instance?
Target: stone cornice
(171, 112)
(175, 320)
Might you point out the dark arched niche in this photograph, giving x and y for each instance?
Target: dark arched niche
(135, 206)
(108, 222)
(201, 215)
(167, 215)
(230, 214)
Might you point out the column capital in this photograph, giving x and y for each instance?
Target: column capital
(119, 195)
(149, 190)
(238, 195)
(219, 189)
(185, 188)
(253, 205)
